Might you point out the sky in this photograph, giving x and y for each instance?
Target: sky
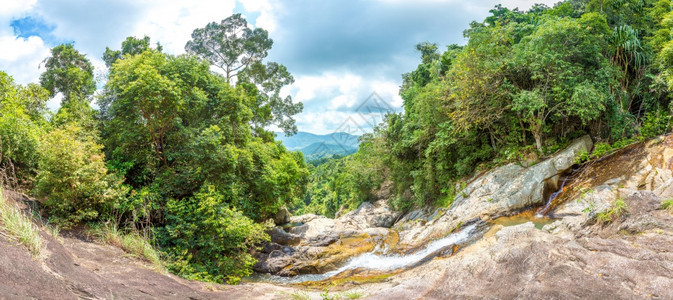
(346, 56)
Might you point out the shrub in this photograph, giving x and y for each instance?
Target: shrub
(73, 176)
(667, 205)
(208, 240)
(600, 150)
(656, 123)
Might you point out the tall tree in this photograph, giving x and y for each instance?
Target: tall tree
(68, 71)
(239, 52)
(230, 45)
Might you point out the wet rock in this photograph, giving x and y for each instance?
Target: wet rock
(279, 236)
(522, 262)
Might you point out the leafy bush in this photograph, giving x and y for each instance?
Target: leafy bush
(600, 150)
(208, 240)
(20, 120)
(73, 176)
(656, 123)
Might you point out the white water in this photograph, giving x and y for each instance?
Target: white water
(551, 198)
(374, 261)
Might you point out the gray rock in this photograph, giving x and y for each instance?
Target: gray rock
(282, 216)
(279, 236)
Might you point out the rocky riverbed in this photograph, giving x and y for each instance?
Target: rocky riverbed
(488, 244)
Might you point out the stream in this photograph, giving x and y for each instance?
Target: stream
(380, 262)
(544, 210)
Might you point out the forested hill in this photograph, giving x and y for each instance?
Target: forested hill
(315, 146)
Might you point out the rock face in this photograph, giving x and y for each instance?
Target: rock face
(572, 258)
(320, 244)
(502, 191)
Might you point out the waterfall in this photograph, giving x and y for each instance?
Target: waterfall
(545, 209)
(372, 261)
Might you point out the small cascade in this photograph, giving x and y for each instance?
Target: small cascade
(378, 262)
(544, 210)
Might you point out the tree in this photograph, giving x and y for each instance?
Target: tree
(271, 107)
(238, 51)
(21, 125)
(130, 46)
(73, 176)
(69, 72)
(230, 45)
(565, 64)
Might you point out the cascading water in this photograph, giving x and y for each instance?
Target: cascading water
(542, 212)
(378, 262)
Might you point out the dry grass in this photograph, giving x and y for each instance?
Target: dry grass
(17, 227)
(132, 242)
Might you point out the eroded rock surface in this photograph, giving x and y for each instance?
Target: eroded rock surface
(502, 191)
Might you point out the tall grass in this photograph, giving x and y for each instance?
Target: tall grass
(16, 226)
(132, 242)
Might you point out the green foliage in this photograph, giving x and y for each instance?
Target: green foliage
(600, 150)
(342, 184)
(73, 176)
(206, 239)
(667, 205)
(230, 45)
(130, 46)
(69, 72)
(21, 125)
(656, 123)
(582, 156)
(616, 211)
(238, 51)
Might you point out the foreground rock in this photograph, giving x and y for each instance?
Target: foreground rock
(72, 268)
(629, 258)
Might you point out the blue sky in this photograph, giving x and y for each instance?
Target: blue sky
(340, 52)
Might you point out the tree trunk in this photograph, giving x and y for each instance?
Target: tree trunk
(538, 139)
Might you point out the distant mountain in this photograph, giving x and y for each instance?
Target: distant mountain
(320, 150)
(316, 146)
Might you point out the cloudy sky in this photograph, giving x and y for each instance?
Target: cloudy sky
(340, 52)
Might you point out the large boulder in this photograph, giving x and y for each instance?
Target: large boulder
(502, 191)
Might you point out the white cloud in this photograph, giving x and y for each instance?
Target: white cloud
(15, 7)
(21, 58)
(172, 22)
(331, 101)
(266, 9)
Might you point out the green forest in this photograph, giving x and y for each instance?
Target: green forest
(168, 149)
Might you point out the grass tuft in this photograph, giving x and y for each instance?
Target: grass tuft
(16, 226)
(616, 211)
(667, 205)
(132, 242)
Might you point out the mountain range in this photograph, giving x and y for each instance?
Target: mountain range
(315, 146)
